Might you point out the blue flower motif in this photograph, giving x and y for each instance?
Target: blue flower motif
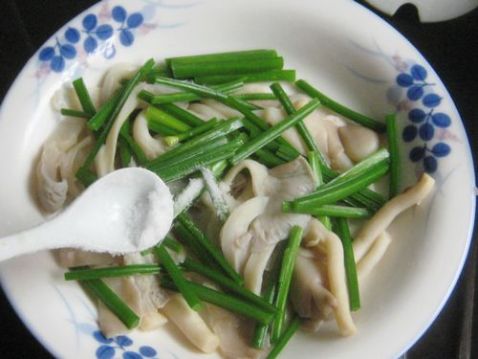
(128, 23)
(62, 50)
(424, 119)
(123, 341)
(105, 352)
(123, 344)
(415, 81)
(423, 126)
(132, 355)
(90, 34)
(147, 351)
(94, 32)
(101, 338)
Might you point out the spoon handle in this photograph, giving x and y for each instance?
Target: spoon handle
(44, 236)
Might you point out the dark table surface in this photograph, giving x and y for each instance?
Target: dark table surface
(451, 47)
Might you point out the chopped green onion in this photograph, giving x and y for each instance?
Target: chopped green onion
(273, 132)
(268, 158)
(228, 284)
(274, 75)
(111, 272)
(285, 278)
(393, 148)
(178, 278)
(181, 169)
(182, 70)
(316, 161)
(84, 97)
(284, 153)
(84, 174)
(74, 113)
(366, 197)
(206, 126)
(112, 301)
(363, 166)
(186, 96)
(137, 151)
(332, 210)
(260, 332)
(194, 144)
(290, 109)
(209, 247)
(172, 244)
(343, 232)
(226, 301)
(340, 109)
(162, 163)
(251, 120)
(333, 192)
(181, 114)
(256, 96)
(284, 338)
(156, 115)
(124, 152)
(191, 242)
(104, 113)
(189, 86)
(160, 129)
(224, 56)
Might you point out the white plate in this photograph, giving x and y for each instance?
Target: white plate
(337, 45)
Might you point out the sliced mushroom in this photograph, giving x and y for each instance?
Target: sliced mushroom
(233, 333)
(235, 239)
(152, 296)
(327, 248)
(113, 77)
(152, 147)
(258, 240)
(310, 297)
(373, 256)
(105, 159)
(71, 162)
(68, 258)
(358, 141)
(244, 188)
(52, 187)
(191, 324)
(385, 215)
(126, 289)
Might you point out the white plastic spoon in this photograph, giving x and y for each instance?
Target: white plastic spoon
(128, 210)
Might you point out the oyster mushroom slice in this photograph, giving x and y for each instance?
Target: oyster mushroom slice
(329, 245)
(262, 229)
(255, 186)
(358, 141)
(152, 147)
(385, 215)
(235, 240)
(310, 297)
(191, 324)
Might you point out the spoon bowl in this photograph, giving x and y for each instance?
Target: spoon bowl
(128, 210)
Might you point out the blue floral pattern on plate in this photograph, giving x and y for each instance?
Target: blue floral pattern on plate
(109, 347)
(424, 118)
(95, 30)
(426, 126)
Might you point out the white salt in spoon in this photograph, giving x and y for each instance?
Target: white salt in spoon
(128, 210)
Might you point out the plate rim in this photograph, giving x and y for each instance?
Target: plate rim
(469, 164)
